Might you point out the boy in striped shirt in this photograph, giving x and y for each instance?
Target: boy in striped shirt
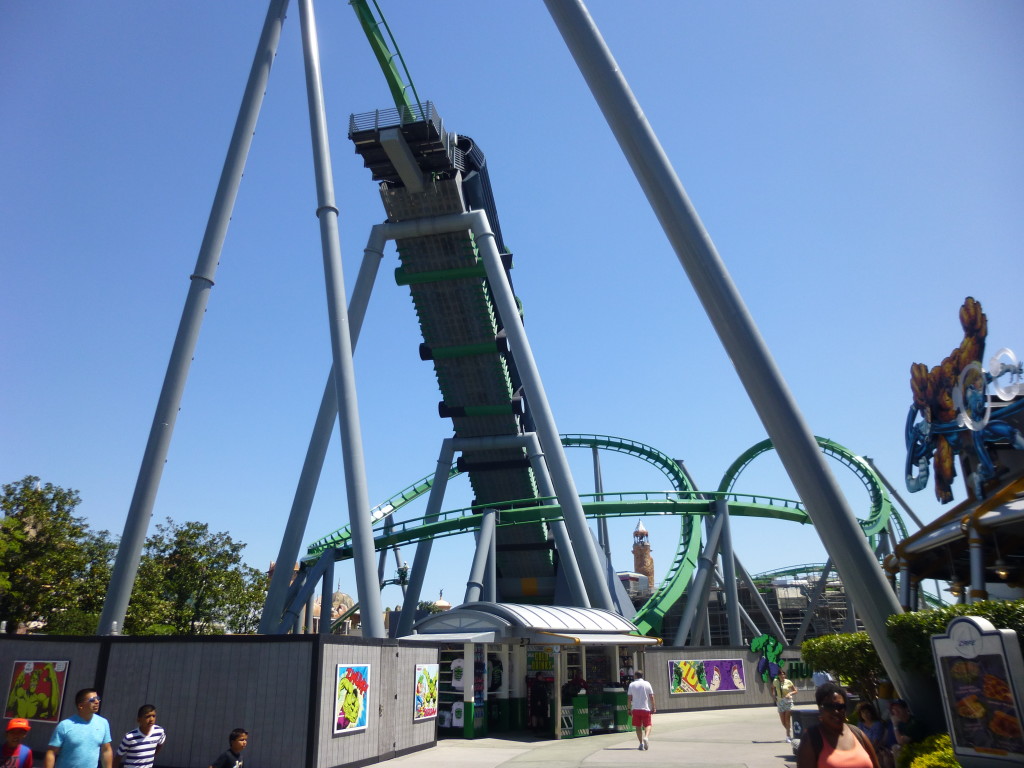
(139, 747)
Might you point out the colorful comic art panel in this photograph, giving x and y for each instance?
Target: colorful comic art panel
(352, 703)
(705, 676)
(426, 691)
(37, 689)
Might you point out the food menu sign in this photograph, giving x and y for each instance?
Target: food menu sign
(705, 676)
(981, 670)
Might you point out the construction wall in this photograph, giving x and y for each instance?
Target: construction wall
(756, 692)
(279, 688)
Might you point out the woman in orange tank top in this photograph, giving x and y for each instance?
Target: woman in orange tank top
(834, 743)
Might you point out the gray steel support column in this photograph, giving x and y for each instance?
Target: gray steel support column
(773, 625)
(491, 571)
(561, 477)
(308, 625)
(812, 603)
(422, 557)
(697, 592)
(319, 442)
(976, 549)
(327, 595)
(474, 586)
(367, 587)
(602, 523)
(905, 584)
(382, 557)
(793, 439)
(126, 565)
(566, 554)
(732, 597)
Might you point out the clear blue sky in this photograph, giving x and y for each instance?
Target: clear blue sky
(860, 167)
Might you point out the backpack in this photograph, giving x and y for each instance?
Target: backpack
(814, 734)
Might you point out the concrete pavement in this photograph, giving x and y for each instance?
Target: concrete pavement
(722, 738)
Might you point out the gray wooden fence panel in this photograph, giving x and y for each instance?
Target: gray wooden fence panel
(339, 749)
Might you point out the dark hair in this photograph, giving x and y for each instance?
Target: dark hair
(83, 694)
(867, 706)
(826, 691)
(145, 709)
(900, 703)
(237, 733)
(638, 673)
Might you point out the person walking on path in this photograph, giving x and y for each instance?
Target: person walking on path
(834, 743)
(138, 748)
(641, 703)
(783, 690)
(82, 740)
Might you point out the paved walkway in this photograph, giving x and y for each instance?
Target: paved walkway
(724, 738)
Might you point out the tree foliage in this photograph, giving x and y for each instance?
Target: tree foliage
(193, 582)
(53, 568)
(851, 658)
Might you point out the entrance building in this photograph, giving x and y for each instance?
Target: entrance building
(559, 671)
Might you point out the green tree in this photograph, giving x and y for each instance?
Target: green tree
(193, 582)
(851, 658)
(53, 568)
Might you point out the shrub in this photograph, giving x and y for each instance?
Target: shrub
(911, 632)
(933, 752)
(851, 658)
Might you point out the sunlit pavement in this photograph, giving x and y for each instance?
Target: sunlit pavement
(724, 738)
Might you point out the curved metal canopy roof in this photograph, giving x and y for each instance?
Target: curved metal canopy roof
(537, 624)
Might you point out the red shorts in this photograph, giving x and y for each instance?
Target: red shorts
(642, 717)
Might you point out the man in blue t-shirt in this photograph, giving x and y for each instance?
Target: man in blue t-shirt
(83, 740)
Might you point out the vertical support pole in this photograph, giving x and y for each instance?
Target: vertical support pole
(474, 586)
(793, 439)
(367, 586)
(976, 549)
(491, 571)
(697, 592)
(732, 597)
(310, 604)
(602, 522)
(327, 595)
(126, 565)
(905, 585)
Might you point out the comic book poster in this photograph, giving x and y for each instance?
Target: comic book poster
(706, 676)
(426, 691)
(37, 690)
(352, 700)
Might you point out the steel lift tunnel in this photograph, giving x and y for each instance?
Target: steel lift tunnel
(424, 170)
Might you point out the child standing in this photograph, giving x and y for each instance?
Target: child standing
(14, 754)
(238, 740)
(138, 748)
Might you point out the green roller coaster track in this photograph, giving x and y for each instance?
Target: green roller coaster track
(683, 501)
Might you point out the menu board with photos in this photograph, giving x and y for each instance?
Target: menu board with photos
(981, 671)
